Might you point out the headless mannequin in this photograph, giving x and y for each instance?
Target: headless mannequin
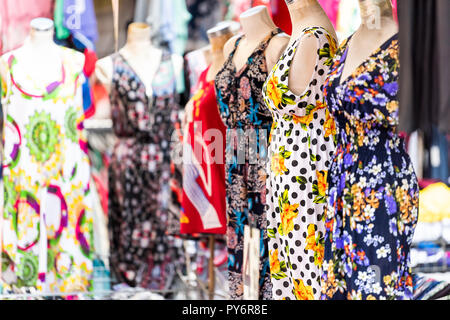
(377, 26)
(141, 55)
(40, 56)
(256, 25)
(217, 36)
(305, 14)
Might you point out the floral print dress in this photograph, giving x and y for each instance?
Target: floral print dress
(239, 94)
(302, 142)
(47, 237)
(142, 254)
(373, 191)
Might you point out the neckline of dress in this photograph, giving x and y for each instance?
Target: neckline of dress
(137, 75)
(344, 56)
(257, 48)
(49, 89)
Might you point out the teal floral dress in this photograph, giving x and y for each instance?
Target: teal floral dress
(373, 191)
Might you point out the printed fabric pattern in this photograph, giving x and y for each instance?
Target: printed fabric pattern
(301, 145)
(241, 105)
(142, 254)
(47, 204)
(204, 205)
(373, 194)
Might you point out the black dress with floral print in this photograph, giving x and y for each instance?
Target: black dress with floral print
(373, 191)
(242, 108)
(142, 254)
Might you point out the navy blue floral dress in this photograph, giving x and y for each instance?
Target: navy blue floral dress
(373, 191)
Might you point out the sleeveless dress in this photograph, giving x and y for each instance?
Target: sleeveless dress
(142, 255)
(248, 120)
(301, 145)
(47, 205)
(204, 204)
(373, 191)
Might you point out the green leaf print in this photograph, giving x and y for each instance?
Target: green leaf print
(319, 199)
(302, 180)
(271, 232)
(313, 157)
(278, 276)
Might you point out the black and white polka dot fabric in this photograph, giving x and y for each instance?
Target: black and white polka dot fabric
(302, 142)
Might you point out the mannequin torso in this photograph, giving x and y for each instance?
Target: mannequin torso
(257, 25)
(304, 14)
(40, 56)
(371, 34)
(140, 54)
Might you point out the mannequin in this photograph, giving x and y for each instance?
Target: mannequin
(204, 182)
(39, 55)
(256, 25)
(45, 102)
(377, 26)
(142, 56)
(218, 37)
(305, 13)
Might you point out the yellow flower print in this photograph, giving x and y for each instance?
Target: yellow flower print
(371, 297)
(274, 262)
(306, 120)
(288, 214)
(322, 182)
(277, 165)
(320, 105)
(301, 291)
(319, 254)
(392, 106)
(330, 125)
(333, 46)
(275, 94)
(311, 238)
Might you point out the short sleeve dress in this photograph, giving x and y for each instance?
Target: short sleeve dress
(302, 142)
(373, 192)
(242, 108)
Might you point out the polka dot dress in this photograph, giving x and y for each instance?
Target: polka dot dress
(302, 142)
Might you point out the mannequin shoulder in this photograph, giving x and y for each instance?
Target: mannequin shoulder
(229, 45)
(104, 70)
(275, 48)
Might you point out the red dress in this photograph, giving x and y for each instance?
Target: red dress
(204, 206)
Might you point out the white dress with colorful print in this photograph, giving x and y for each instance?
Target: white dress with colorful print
(46, 181)
(302, 142)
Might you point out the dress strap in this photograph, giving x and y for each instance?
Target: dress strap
(266, 41)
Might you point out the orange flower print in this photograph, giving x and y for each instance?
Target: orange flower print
(306, 120)
(274, 93)
(311, 238)
(278, 166)
(330, 125)
(274, 262)
(301, 291)
(288, 214)
(333, 46)
(322, 182)
(319, 254)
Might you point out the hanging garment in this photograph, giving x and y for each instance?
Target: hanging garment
(424, 94)
(15, 20)
(46, 181)
(373, 190)
(301, 146)
(142, 255)
(239, 93)
(204, 195)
